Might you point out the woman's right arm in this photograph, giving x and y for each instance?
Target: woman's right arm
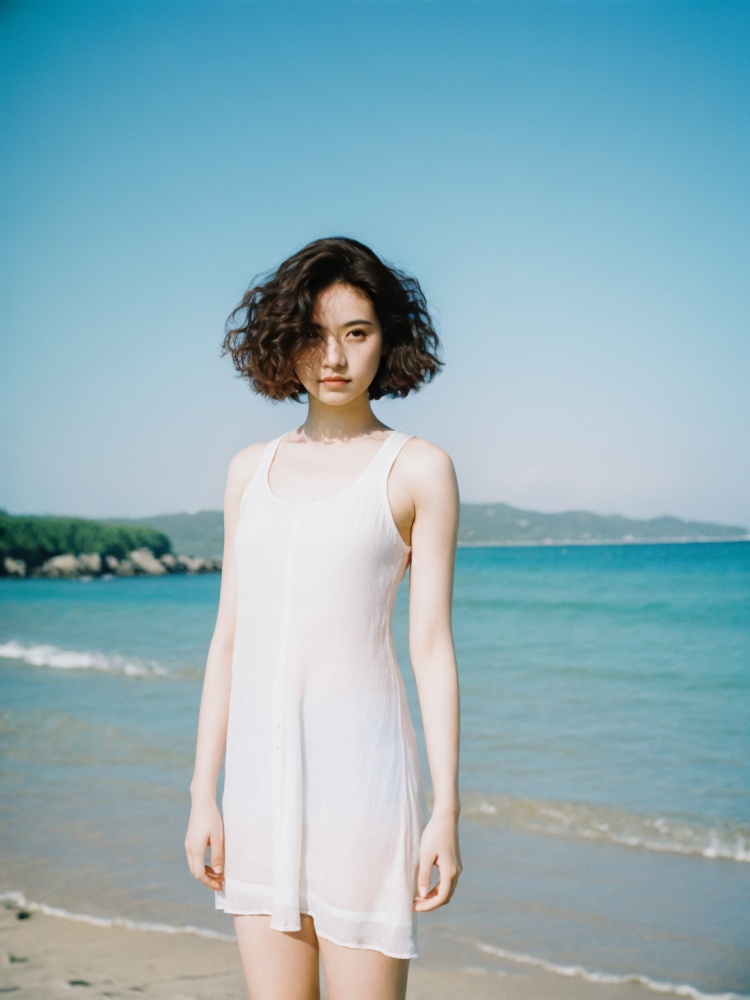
(205, 827)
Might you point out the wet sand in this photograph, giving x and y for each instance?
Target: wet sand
(46, 957)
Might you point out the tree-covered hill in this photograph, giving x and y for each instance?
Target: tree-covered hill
(498, 523)
(34, 539)
(201, 534)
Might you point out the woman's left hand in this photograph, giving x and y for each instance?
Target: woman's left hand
(439, 847)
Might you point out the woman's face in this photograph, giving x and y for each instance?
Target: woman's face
(345, 349)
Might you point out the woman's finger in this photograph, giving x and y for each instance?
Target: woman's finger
(442, 892)
(425, 874)
(217, 852)
(211, 879)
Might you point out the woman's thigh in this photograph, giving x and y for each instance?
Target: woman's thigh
(279, 965)
(362, 973)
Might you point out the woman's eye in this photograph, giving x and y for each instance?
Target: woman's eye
(358, 333)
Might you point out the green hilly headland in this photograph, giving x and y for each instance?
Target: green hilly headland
(201, 534)
(36, 538)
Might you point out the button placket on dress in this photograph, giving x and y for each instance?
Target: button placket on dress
(286, 816)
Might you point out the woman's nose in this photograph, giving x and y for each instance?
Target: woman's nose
(334, 353)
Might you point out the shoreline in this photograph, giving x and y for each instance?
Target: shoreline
(53, 953)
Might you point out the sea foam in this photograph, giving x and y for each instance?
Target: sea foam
(18, 901)
(42, 655)
(728, 841)
(608, 978)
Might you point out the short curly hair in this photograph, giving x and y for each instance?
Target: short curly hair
(275, 317)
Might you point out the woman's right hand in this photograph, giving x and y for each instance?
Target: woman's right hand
(206, 829)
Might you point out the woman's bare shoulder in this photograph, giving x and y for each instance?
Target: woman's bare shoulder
(244, 464)
(427, 476)
(423, 459)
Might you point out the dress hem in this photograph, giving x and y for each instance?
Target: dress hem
(343, 944)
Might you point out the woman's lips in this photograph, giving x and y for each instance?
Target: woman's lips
(334, 381)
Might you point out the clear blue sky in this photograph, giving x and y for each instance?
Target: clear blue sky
(569, 181)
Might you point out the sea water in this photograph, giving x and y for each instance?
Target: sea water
(605, 825)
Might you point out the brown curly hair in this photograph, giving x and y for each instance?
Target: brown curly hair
(276, 313)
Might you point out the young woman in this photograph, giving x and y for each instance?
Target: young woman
(326, 846)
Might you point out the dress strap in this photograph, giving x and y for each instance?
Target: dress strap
(394, 446)
(260, 477)
(387, 454)
(270, 450)
(383, 466)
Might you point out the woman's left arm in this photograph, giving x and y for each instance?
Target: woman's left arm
(433, 658)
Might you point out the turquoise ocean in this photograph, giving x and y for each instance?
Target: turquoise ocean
(605, 712)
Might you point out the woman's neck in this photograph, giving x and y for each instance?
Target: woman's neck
(335, 423)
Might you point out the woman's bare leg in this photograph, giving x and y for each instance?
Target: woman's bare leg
(279, 965)
(362, 973)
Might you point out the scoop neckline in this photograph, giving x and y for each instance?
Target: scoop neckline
(313, 503)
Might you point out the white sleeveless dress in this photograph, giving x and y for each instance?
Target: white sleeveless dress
(323, 801)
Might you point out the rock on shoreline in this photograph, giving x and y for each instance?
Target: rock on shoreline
(139, 562)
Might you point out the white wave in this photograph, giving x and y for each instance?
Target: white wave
(731, 842)
(70, 659)
(18, 901)
(608, 978)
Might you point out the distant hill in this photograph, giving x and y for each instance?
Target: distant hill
(500, 524)
(201, 534)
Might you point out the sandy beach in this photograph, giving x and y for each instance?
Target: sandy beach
(48, 957)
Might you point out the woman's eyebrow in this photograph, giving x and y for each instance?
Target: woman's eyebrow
(344, 326)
